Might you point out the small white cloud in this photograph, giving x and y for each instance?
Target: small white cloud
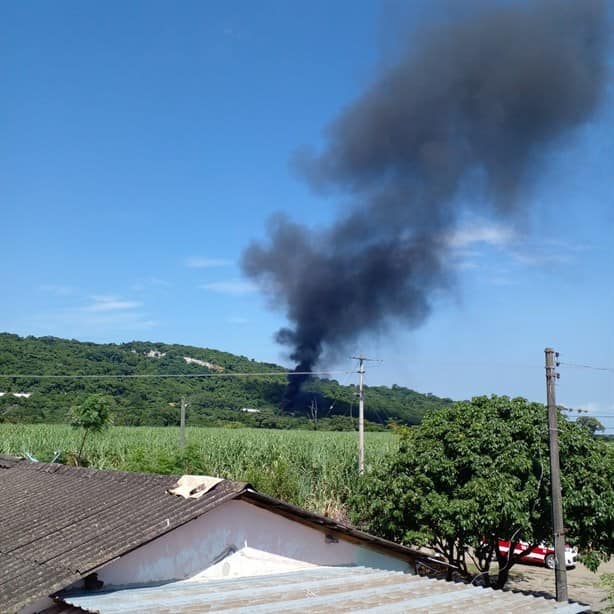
(206, 263)
(150, 282)
(232, 33)
(539, 257)
(57, 289)
(465, 265)
(502, 281)
(237, 320)
(549, 252)
(233, 287)
(110, 303)
(480, 233)
(92, 324)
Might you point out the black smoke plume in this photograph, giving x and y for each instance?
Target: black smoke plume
(475, 101)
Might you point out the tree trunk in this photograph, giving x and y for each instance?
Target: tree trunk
(504, 569)
(81, 447)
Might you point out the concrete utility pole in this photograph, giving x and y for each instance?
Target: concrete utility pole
(361, 418)
(361, 413)
(560, 570)
(182, 426)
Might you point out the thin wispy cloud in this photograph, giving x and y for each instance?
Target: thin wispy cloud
(469, 242)
(150, 282)
(465, 265)
(114, 320)
(533, 257)
(502, 281)
(87, 323)
(549, 252)
(488, 234)
(57, 289)
(110, 303)
(232, 33)
(206, 263)
(238, 320)
(234, 287)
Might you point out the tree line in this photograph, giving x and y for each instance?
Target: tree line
(211, 401)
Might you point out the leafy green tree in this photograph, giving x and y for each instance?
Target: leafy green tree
(591, 423)
(214, 400)
(92, 416)
(479, 471)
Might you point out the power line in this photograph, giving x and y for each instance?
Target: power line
(170, 375)
(581, 366)
(576, 418)
(247, 374)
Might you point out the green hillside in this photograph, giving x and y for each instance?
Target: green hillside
(155, 399)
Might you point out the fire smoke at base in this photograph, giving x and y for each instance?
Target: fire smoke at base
(480, 100)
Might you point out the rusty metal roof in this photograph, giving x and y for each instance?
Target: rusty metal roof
(59, 522)
(321, 590)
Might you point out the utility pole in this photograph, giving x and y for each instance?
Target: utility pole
(361, 413)
(361, 418)
(313, 412)
(182, 426)
(560, 569)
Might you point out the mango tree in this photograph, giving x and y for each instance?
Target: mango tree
(477, 472)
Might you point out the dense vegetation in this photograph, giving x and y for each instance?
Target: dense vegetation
(155, 399)
(314, 470)
(478, 471)
(472, 471)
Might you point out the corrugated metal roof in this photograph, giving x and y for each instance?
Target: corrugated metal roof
(321, 590)
(60, 522)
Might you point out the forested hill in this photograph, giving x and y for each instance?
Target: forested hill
(153, 400)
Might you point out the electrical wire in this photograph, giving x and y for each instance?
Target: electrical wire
(248, 374)
(581, 366)
(169, 375)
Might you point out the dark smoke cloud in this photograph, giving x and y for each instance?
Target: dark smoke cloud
(480, 99)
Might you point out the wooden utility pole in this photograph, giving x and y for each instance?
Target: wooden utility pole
(182, 426)
(560, 570)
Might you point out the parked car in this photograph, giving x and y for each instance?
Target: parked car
(540, 555)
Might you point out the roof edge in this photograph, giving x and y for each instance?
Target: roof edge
(323, 523)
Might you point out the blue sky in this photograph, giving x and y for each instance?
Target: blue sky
(145, 145)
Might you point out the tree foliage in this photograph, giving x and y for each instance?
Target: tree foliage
(591, 424)
(478, 471)
(214, 401)
(92, 416)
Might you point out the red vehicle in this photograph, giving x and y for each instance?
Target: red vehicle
(539, 555)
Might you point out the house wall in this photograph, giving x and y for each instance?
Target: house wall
(198, 545)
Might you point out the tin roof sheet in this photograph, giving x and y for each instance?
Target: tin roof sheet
(320, 590)
(60, 522)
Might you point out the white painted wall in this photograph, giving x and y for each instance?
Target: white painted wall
(195, 546)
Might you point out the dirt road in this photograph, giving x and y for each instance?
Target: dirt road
(582, 585)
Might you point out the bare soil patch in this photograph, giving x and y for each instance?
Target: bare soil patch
(583, 585)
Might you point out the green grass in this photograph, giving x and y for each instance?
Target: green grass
(316, 470)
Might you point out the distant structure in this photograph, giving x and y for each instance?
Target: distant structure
(203, 363)
(20, 395)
